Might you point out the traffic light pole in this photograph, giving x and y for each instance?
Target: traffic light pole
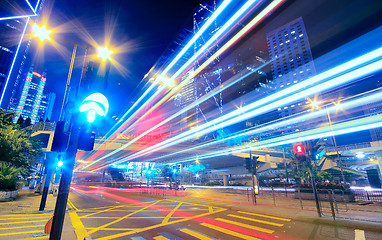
(47, 178)
(66, 178)
(313, 181)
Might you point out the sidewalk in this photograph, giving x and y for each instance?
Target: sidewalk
(21, 219)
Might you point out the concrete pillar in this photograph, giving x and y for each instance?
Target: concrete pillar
(378, 154)
(379, 160)
(225, 180)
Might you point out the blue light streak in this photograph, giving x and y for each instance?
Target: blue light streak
(16, 17)
(348, 69)
(220, 9)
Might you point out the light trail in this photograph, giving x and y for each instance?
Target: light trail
(223, 29)
(213, 17)
(273, 5)
(310, 115)
(231, 118)
(365, 123)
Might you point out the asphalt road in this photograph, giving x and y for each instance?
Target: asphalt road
(107, 213)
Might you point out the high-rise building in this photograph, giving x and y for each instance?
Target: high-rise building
(46, 106)
(31, 96)
(292, 59)
(14, 47)
(10, 32)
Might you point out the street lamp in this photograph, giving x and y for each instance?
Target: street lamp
(314, 104)
(92, 106)
(104, 53)
(41, 32)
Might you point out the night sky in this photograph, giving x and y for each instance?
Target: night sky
(143, 28)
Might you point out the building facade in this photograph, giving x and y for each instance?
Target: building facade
(292, 60)
(31, 96)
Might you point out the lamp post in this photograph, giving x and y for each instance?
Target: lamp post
(94, 103)
(314, 104)
(74, 130)
(43, 33)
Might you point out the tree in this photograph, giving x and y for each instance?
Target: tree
(20, 121)
(28, 122)
(8, 176)
(16, 146)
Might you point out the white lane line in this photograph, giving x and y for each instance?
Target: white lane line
(359, 234)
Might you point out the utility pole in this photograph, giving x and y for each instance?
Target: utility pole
(66, 178)
(312, 180)
(49, 164)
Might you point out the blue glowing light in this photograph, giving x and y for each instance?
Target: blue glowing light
(95, 103)
(60, 163)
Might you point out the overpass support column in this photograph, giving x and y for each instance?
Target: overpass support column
(225, 180)
(378, 154)
(379, 159)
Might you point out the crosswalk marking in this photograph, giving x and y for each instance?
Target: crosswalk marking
(21, 227)
(9, 223)
(3, 219)
(195, 234)
(245, 225)
(19, 233)
(256, 220)
(160, 238)
(229, 232)
(266, 216)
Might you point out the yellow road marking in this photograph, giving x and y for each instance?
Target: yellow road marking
(229, 232)
(18, 215)
(115, 229)
(3, 219)
(132, 217)
(256, 220)
(32, 238)
(21, 227)
(19, 233)
(160, 237)
(195, 234)
(71, 203)
(120, 219)
(154, 226)
(167, 218)
(105, 210)
(266, 216)
(9, 223)
(246, 225)
(78, 226)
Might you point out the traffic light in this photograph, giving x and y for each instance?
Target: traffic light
(248, 164)
(86, 140)
(93, 105)
(60, 139)
(299, 149)
(255, 165)
(60, 163)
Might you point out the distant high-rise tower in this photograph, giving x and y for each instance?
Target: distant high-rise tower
(13, 46)
(10, 32)
(46, 106)
(31, 96)
(292, 59)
